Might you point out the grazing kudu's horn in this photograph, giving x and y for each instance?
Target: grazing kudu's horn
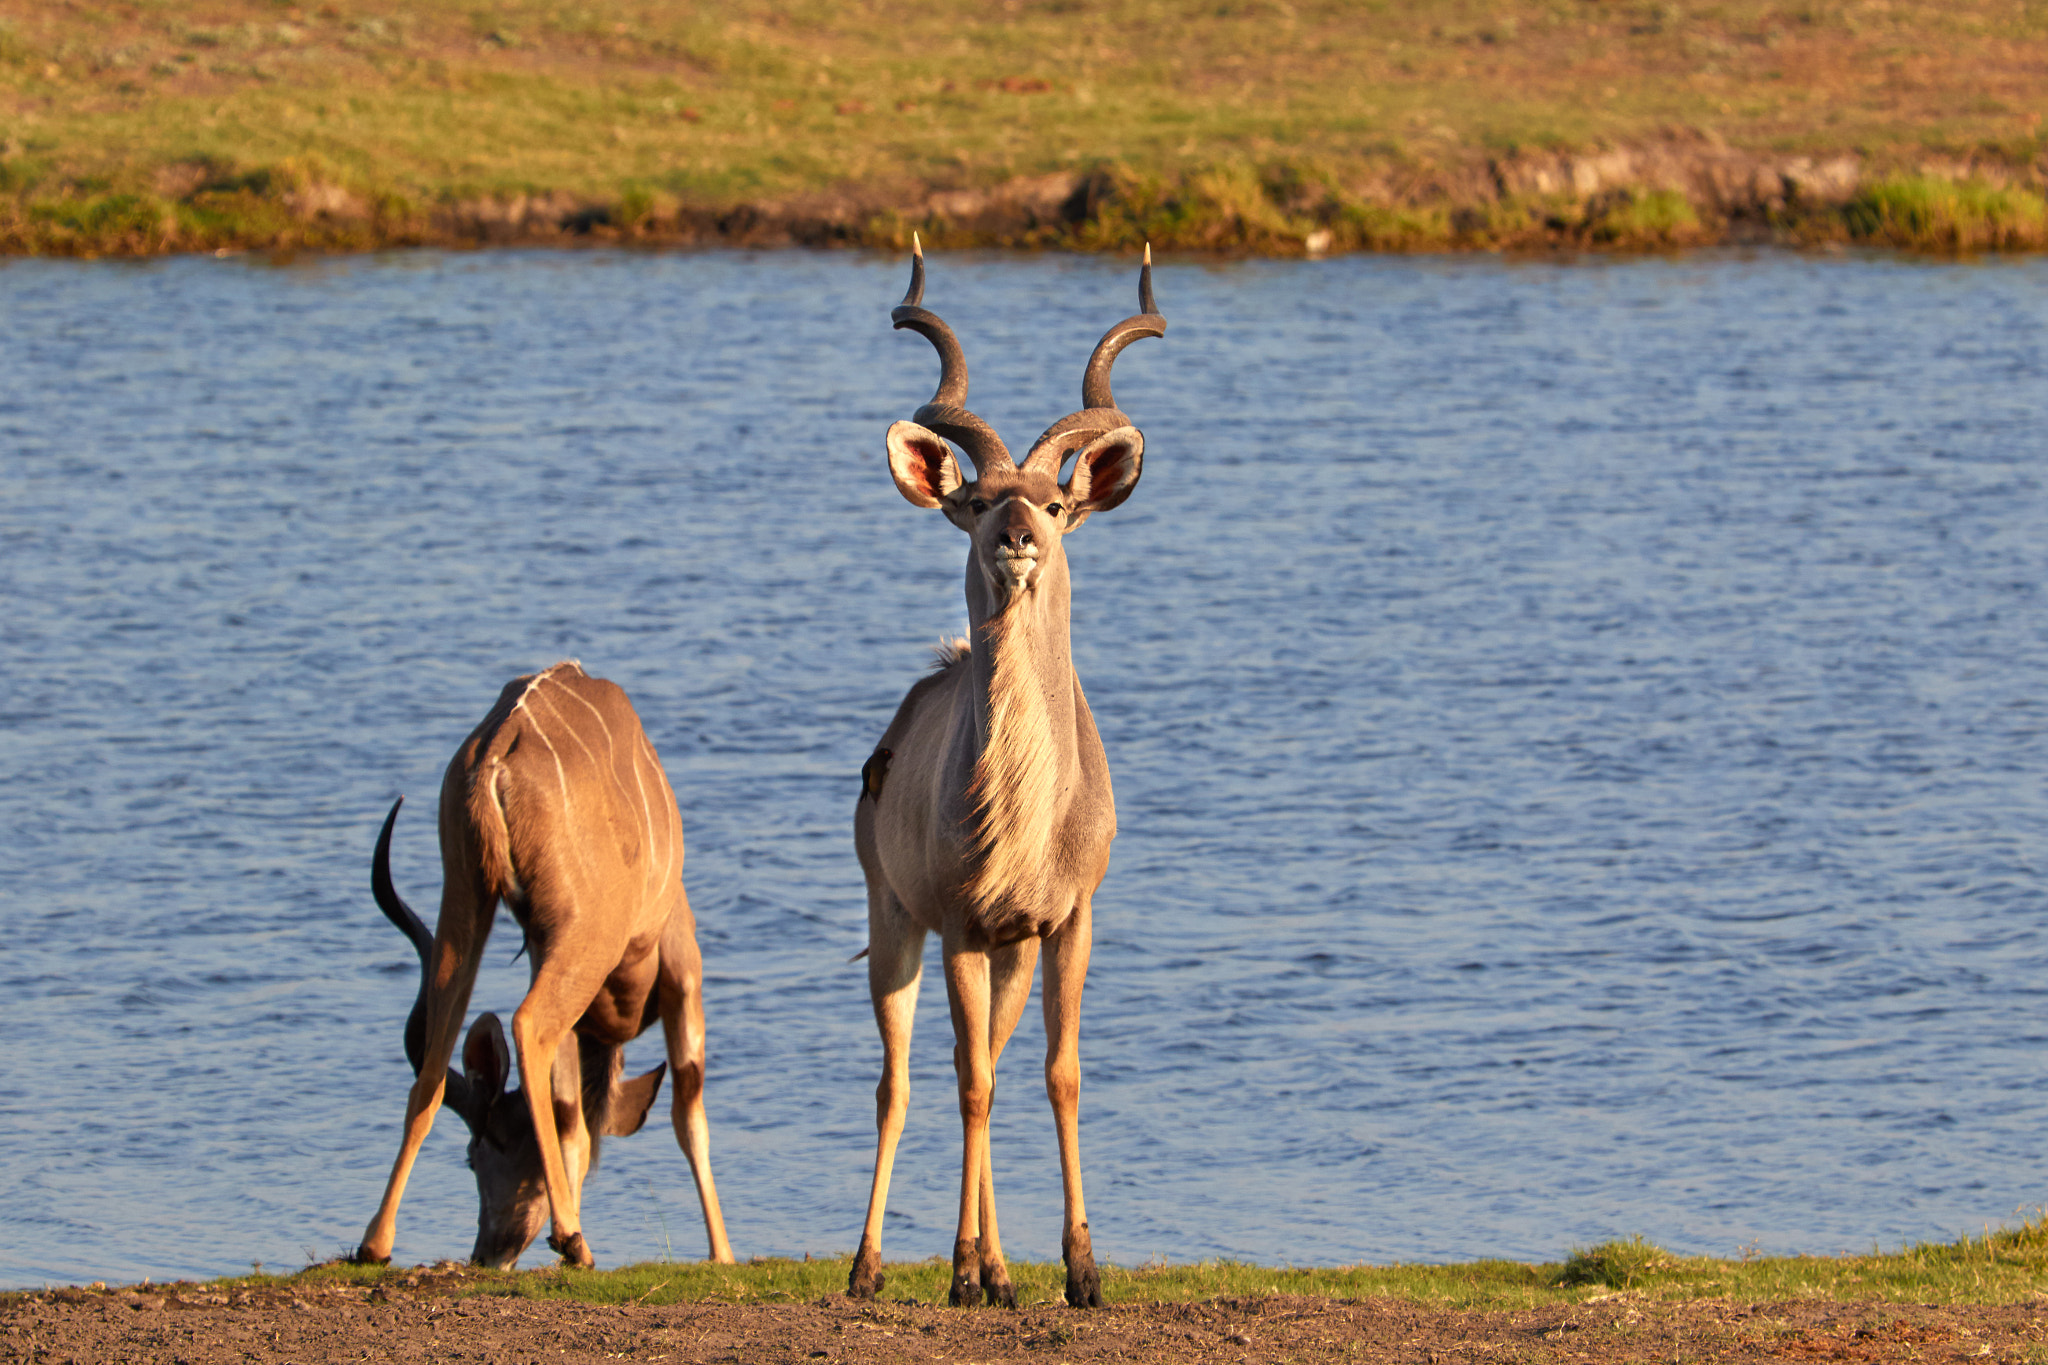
(945, 413)
(1099, 412)
(395, 909)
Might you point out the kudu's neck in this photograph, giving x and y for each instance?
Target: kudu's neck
(1025, 759)
(1022, 646)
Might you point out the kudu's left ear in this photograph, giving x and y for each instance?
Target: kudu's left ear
(630, 1102)
(486, 1062)
(922, 464)
(1105, 472)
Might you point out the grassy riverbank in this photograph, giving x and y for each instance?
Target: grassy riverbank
(2005, 1266)
(1265, 125)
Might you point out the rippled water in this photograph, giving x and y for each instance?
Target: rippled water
(1580, 734)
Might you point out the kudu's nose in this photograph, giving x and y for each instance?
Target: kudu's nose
(1015, 537)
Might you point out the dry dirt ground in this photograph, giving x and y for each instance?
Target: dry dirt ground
(308, 1325)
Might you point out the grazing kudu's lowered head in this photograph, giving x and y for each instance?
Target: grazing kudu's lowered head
(557, 806)
(504, 1151)
(986, 813)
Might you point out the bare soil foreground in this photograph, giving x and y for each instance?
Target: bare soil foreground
(432, 1320)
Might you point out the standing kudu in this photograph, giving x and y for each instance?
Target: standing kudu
(557, 805)
(985, 813)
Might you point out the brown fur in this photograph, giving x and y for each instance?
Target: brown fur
(557, 805)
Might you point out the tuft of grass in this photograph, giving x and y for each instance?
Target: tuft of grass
(1618, 1264)
(1927, 212)
(1656, 218)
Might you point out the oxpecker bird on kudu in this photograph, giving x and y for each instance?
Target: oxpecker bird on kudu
(985, 814)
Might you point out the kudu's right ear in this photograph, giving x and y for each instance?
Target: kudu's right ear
(486, 1063)
(631, 1100)
(922, 464)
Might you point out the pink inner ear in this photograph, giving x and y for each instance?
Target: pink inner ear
(930, 467)
(1108, 469)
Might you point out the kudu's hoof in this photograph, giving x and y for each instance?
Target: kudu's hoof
(364, 1256)
(867, 1279)
(966, 1290)
(573, 1250)
(1084, 1285)
(1001, 1294)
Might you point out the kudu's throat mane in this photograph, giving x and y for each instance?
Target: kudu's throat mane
(1015, 788)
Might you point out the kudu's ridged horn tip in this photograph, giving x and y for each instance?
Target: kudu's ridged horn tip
(946, 413)
(1099, 412)
(916, 294)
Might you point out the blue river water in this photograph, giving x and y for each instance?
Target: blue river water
(1580, 734)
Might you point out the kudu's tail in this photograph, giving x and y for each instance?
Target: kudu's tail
(400, 914)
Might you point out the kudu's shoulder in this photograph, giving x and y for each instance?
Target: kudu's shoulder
(927, 697)
(948, 674)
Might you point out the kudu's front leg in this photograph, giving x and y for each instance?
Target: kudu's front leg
(1066, 970)
(1010, 970)
(895, 967)
(967, 992)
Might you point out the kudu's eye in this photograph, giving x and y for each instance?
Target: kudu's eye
(977, 506)
(1054, 508)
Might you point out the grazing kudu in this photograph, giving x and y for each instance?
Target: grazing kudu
(557, 805)
(985, 814)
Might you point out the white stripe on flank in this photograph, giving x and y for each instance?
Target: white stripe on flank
(612, 748)
(672, 859)
(575, 733)
(646, 808)
(561, 773)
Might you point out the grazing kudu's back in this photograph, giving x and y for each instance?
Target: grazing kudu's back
(556, 805)
(985, 813)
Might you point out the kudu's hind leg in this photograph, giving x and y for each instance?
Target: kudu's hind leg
(563, 987)
(682, 1026)
(467, 906)
(895, 967)
(1066, 970)
(1010, 970)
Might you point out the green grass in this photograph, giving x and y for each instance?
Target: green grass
(1235, 125)
(1966, 215)
(2005, 1266)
